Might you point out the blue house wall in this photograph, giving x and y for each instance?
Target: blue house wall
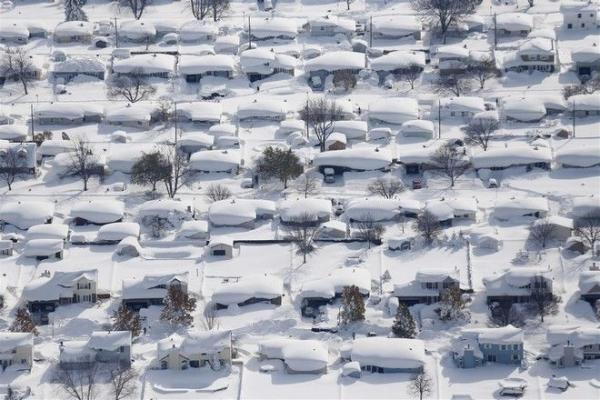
(502, 354)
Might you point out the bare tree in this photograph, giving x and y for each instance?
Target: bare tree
(158, 225)
(12, 163)
(177, 163)
(452, 304)
(307, 184)
(344, 79)
(211, 321)
(124, 382)
(17, 65)
(137, 7)
(444, 13)
(411, 75)
(79, 383)
(506, 312)
(84, 163)
(483, 70)
(450, 162)
(218, 7)
(74, 11)
(348, 2)
(541, 232)
(421, 385)
(200, 8)
(216, 192)
(454, 84)
(480, 131)
(428, 226)
(133, 87)
(320, 115)
(369, 230)
(544, 302)
(386, 188)
(588, 228)
(302, 233)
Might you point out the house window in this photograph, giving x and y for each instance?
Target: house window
(583, 25)
(163, 365)
(569, 26)
(122, 349)
(23, 361)
(194, 364)
(578, 15)
(502, 347)
(515, 347)
(515, 357)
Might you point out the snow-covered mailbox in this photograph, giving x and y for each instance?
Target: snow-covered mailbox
(113, 233)
(513, 24)
(203, 112)
(358, 160)
(150, 65)
(49, 291)
(73, 32)
(137, 31)
(500, 158)
(393, 110)
(75, 66)
(332, 25)
(427, 287)
(25, 161)
(372, 209)
(195, 350)
(67, 113)
(586, 61)
(111, 347)
(396, 27)
(475, 347)
(461, 107)
(193, 68)
(518, 207)
(240, 212)
(14, 132)
(25, 214)
(136, 115)
(261, 109)
(570, 346)
(304, 211)
(150, 290)
(398, 63)
(221, 247)
(585, 105)
(272, 28)
(261, 63)
(249, 290)
(589, 286)
(452, 59)
(319, 68)
(16, 351)
(517, 285)
(389, 355)
(215, 161)
(579, 15)
(198, 31)
(299, 356)
(97, 212)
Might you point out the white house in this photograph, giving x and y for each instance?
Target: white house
(215, 161)
(579, 14)
(393, 110)
(499, 158)
(513, 24)
(16, 350)
(389, 355)
(292, 211)
(193, 68)
(151, 65)
(272, 28)
(261, 109)
(198, 31)
(537, 54)
(97, 212)
(150, 290)
(332, 25)
(78, 66)
(396, 27)
(298, 356)
(570, 346)
(359, 159)
(73, 31)
(464, 107)
(25, 214)
(249, 290)
(110, 347)
(517, 285)
(137, 30)
(197, 349)
(67, 113)
(319, 68)
(506, 209)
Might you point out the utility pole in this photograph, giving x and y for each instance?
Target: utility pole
(116, 34)
(371, 31)
(32, 123)
(175, 120)
(495, 33)
(439, 119)
(307, 115)
(573, 114)
(249, 34)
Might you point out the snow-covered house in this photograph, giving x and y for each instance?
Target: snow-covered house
(150, 290)
(585, 105)
(203, 112)
(195, 350)
(517, 285)
(16, 350)
(513, 24)
(261, 63)
(299, 356)
(393, 110)
(77, 66)
(227, 44)
(172, 210)
(193, 68)
(562, 227)
(192, 142)
(372, 209)
(500, 158)
(570, 346)
(579, 14)
(294, 211)
(44, 294)
(260, 29)
(14, 132)
(589, 286)
(517, 207)
(67, 113)
(215, 161)
(14, 32)
(360, 159)
(110, 347)
(398, 63)
(114, 233)
(389, 355)
(537, 54)
(452, 59)
(150, 65)
(330, 63)
(26, 157)
(138, 115)
(73, 32)
(194, 230)
(25, 214)
(523, 109)
(221, 247)
(240, 212)
(427, 287)
(332, 25)
(352, 130)
(461, 107)
(97, 212)
(261, 109)
(418, 128)
(396, 27)
(476, 347)
(586, 61)
(198, 31)
(137, 31)
(249, 290)
(48, 231)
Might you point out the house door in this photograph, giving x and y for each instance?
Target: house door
(218, 252)
(491, 358)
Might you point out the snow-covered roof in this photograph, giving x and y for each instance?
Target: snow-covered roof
(247, 287)
(259, 60)
(578, 5)
(452, 51)
(109, 340)
(503, 157)
(166, 208)
(398, 60)
(9, 341)
(514, 21)
(74, 28)
(515, 281)
(575, 335)
(148, 63)
(261, 108)
(118, 231)
(340, 24)
(13, 31)
(319, 288)
(79, 65)
(585, 54)
(352, 129)
(504, 335)
(59, 285)
(556, 220)
(519, 206)
(205, 342)
(471, 104)
(196, 139)
(151, 286)
(535, 46)
(191, 64)
(48, 231)
(123, 156)
(396, 25)
(418, 126)
(233, 212)
(585, 102)
(292, 209)
(346, 277)
(589, 281)
(196, 30)
(136, 29)
(377, 209)
(13, 132)
(395, 110)
(526, 109)
(581, 206)
(192, 228)
(136, 112)
(204, 111)
(98, 212)
(215, 160)
(25, 214)
(362, 159)
(335, 61)
(298, 355)
(389, 352)
(70, 111)
(546, 33)
(273, 27)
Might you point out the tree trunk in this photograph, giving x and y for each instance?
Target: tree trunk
(24, 82)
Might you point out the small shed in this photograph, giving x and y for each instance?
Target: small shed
(221, 247)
